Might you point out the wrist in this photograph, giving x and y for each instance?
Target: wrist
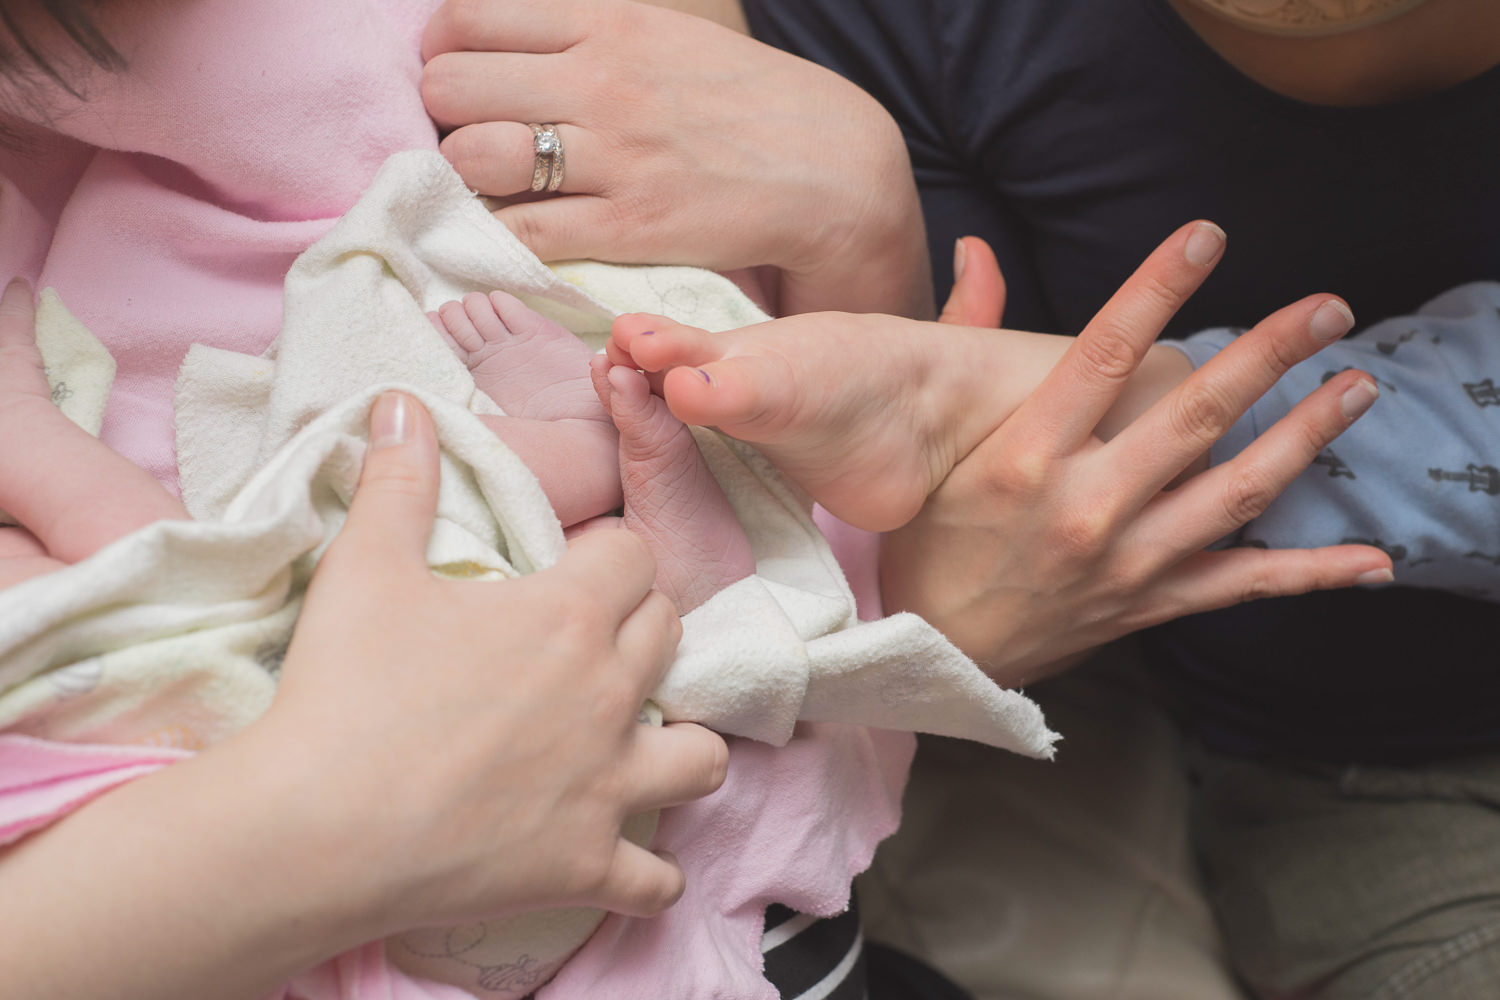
(870, 255)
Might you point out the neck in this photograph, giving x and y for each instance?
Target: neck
(1307, 18)
(1417, 47)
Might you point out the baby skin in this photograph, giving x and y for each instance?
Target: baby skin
(869, 414)
(597, 439)
(71, 494)
(589, 455)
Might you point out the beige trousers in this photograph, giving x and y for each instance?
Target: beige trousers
(1068, 880)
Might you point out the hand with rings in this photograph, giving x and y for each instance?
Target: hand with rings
(716, 151)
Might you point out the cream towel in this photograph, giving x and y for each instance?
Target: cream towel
(178, 629)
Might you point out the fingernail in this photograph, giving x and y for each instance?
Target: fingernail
(390, 421)
(1375, 576)
(1204, 245)
(1331, 321)
(1358, 398)
(706, 376)
(959, 255)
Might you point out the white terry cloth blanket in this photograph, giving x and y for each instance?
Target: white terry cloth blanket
(269, 450)
(173, 635)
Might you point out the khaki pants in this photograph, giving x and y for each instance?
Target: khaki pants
(1336, 883)
(1068, 880)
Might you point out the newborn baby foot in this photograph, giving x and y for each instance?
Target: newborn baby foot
(531, 366)
(539, 374)
(866, 413)
(71, 493)
(672, 501)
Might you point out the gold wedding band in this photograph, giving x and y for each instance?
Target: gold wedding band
(547, 148)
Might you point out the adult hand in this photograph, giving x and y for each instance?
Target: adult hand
(1045, 541)
(437, 752)
(685, 143)
(478, 743)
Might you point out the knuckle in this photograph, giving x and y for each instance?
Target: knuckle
(1019, 471)
(1259, 585)
(397, 479)
(629, 206)
(592, 868)
(1163, 295)
(673, 884)
(1200, 413)
(531, 228)
(439, 86)
(1279, 356)
(1084, 532)
(462, 149)
(1247, 494)
(1311, 437)
(1108, 352)
(595, 83)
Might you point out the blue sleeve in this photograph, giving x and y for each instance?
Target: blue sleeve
(1419, 474)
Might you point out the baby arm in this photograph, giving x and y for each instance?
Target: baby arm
(70, 493)
(1420, 476)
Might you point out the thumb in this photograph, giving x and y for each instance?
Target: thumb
(978, 296)
(391, 514)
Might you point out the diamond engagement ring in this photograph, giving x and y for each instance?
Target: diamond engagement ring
(546, 144)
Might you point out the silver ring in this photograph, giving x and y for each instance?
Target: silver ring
(547, 148)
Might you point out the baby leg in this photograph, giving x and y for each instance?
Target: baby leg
(671, 499)
(71, 493)
(866, 413)
(539, 374)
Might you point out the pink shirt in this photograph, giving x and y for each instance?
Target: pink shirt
(239, 133)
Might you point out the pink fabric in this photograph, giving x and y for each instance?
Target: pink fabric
(166, 211)
(239, 134)
(792, 825)
(858, 553)
(41, 780)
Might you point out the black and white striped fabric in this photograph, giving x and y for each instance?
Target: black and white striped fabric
(812, 958)
(808, 958)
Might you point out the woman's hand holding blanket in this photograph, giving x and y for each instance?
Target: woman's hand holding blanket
(437, 752)
(499, 747)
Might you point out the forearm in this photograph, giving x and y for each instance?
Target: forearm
(186, 883)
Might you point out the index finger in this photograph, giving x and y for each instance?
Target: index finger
(503, 26)
(1064, 410)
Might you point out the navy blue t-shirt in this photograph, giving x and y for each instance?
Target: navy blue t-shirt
(1074, 135)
